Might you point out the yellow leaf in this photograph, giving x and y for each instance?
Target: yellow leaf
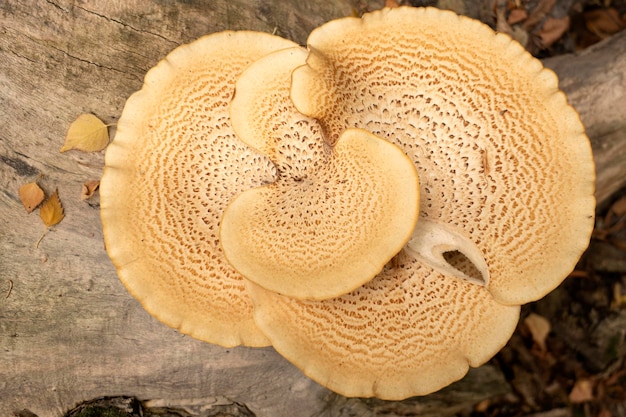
(31, 196)
(51, 212)
(87, 133)
(89, 188)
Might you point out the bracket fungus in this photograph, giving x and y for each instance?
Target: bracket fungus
(170, 171)
(500, 154)
(262, 193)
(336, 214)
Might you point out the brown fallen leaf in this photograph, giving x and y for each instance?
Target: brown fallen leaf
(617, 210)
(517, 16)
(51, 211)
(603, 22)
(582, 391)
(87, 133)
(515, 31)
(539, 328)
(31, 195)
(89, 188)
(553, 30)
(540, 11)
(392, 3)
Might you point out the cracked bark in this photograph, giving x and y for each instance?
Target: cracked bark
(68, 329)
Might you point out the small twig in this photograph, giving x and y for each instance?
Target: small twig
(10, 288)
(41, 238)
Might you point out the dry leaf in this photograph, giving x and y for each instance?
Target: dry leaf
(89, 188)
(51, 212)
(553, 30)
(618, 208)
(31, 196)
(517, 16)
(392, 3)
(516, 32)
(538, 13)
(582, 391)
(87, 133)
(603, 22)
(539, 328)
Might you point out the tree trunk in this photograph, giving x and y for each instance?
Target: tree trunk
(69, 331)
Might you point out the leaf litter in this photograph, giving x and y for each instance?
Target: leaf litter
(51, 213)
(31, 195)
(87, 133)
(89, 188)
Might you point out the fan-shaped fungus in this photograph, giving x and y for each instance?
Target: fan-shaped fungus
(173, 166)
(505, 190)
(336, 213)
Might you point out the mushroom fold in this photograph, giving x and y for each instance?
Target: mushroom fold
(432, 240)
(335, 214)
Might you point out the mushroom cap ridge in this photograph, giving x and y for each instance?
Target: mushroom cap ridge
(172, 168)
(502, 157)
(335, 215)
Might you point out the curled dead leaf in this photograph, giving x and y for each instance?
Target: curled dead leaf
(31, 195)
(539, 328)
(553, 30)
(603, 22)
(87, 133)
(517, 15)
(51, 211)
(89, 188)
(617, 210)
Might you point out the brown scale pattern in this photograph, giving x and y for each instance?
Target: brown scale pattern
(171, 170)
(306, 234)
(385, 338)
(486, 160)
(487, 129)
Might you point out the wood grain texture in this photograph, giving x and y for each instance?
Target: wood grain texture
(68, 329)
(595, 85)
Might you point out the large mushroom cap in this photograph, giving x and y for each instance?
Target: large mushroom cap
(502, 158)
(335, 215)
(172, 168)
(506, 209)
(410, 331)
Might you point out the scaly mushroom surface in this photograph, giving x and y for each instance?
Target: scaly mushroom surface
(410, 331)
(335, 214)
(506, 210)
(173, 166)
(502, 158)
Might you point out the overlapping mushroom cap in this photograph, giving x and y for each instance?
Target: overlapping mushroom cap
(502, 158)
(194, 199)
(335, 215)
(174, 165)
(506, 207)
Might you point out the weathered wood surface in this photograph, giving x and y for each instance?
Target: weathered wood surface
(595, 83)
(68, 329)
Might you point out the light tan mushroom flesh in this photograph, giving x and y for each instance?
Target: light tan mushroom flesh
(502, 158)
(335, 215)
(173, 166)
(506, 209)
(410, 331)
(486, 127)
